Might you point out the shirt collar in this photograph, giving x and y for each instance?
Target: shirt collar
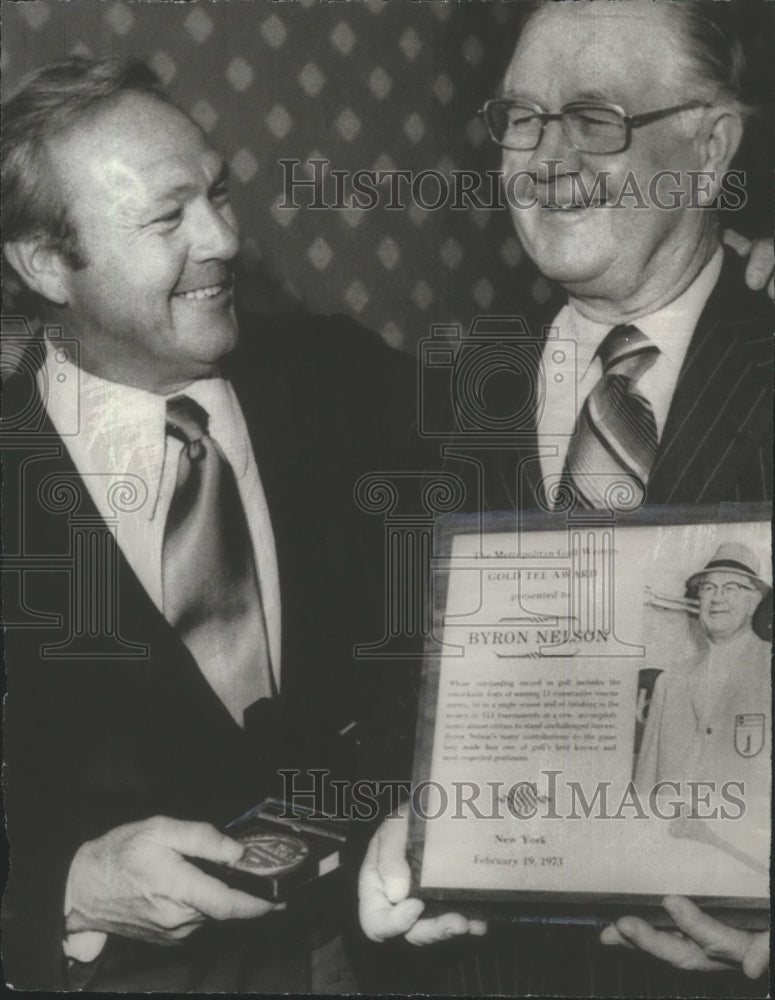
(660, 327)
(123, 429)
(682, 313)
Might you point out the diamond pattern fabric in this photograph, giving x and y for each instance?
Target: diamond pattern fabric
(366, 85)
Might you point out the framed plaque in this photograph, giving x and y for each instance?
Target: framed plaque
(595, 722)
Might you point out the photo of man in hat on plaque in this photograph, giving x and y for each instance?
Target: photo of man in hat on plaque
(709, 716)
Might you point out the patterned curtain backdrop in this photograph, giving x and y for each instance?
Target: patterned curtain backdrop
(369, 85)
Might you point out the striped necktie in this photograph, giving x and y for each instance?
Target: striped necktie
(210, 589)
(610, 456)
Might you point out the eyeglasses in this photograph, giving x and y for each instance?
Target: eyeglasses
(589, 128)
(727, 589)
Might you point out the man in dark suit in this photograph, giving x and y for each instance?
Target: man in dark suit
(613, 198)
(724, 382)
(165, 661)
(603, 109)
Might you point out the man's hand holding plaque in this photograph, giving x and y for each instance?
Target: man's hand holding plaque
(702, 944)
(386, 909)
(594, 731)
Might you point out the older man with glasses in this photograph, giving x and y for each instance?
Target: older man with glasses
(618, 124)
(709, 717)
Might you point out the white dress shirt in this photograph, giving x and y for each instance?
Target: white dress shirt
(670, 329)
(121, 439)
(129, 465)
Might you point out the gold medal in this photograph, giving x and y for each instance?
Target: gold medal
(271, 853)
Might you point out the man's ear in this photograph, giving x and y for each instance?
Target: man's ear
(721, 142)
(40, 267)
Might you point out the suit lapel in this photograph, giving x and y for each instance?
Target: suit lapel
(140, 631)
(721, 409)
(715, 419)
(277, 414)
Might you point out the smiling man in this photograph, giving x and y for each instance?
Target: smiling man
(621, 124)
(152, 302)
(185, 539)
(709, 717)
(617, 124)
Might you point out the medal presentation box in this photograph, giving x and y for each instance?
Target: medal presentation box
(592, 734)
(286, 848)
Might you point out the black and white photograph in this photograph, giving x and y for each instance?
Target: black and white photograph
(721, 687)
(387, 395)
(558, 666)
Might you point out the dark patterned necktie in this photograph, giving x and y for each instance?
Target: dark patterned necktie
(210, 589)
(610, 456)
